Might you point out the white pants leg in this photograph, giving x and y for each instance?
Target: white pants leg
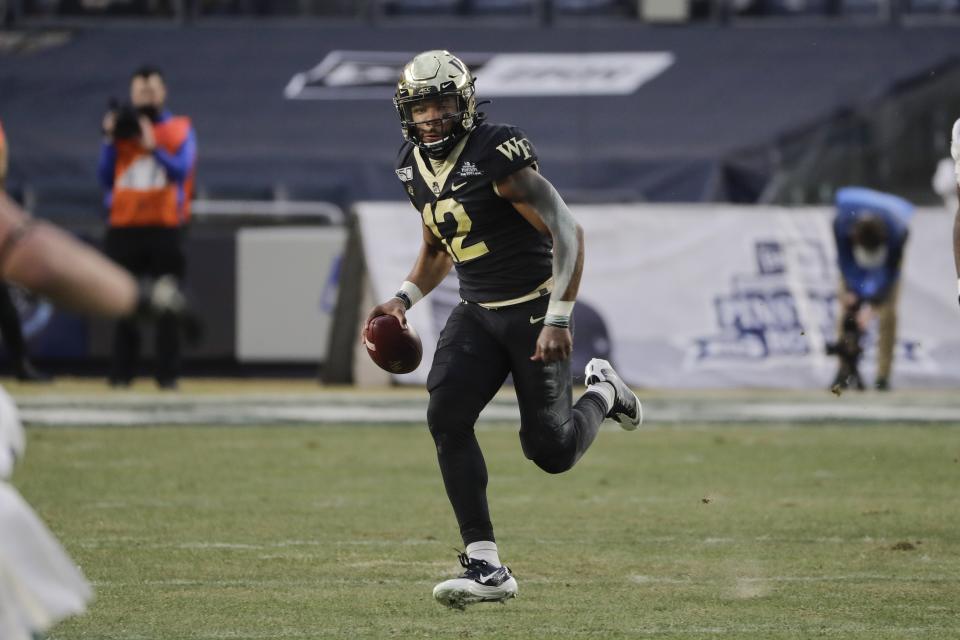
(39, 583)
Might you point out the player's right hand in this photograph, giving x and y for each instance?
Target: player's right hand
(392, 307)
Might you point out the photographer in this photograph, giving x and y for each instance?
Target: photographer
(146, 167)
(871, 230)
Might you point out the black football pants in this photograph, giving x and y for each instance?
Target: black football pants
(146, 252)
(478, 347)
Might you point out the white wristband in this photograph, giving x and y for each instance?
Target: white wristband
(558, 313)
(409, 293)
(958, 286)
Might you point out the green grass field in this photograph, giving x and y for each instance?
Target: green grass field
(341, 532)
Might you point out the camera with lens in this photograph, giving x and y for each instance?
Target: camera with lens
(126, 124)
(848, 351)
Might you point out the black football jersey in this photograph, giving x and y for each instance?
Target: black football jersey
(497, 253)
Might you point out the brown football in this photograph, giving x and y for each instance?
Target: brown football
(392, 347)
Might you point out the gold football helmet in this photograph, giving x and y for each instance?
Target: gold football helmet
(434, 74)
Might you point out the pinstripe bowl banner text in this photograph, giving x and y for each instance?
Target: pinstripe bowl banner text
(712, 296)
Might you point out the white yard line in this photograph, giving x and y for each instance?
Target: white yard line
(341, 408)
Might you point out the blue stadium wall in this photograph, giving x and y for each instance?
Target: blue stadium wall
(700, 130)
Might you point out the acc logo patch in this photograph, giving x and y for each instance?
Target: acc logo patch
(405, 173)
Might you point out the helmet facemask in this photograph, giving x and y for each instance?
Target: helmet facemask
(435, 75)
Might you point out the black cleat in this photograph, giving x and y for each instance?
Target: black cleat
(119, 383)
(480, 582)
(167, 384)
(26, 372)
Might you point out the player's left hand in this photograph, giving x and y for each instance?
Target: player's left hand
(553, 344)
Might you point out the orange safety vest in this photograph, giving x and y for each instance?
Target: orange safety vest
(143, 195)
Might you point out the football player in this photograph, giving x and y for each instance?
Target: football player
(39, 583)
(518, 254)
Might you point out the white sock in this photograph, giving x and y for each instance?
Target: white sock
(605, 390)
(484, 550)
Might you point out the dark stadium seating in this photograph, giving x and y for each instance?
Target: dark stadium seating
(502, 7)
(696, 131)
(422, 7)
(795, 7)
(861, 8)
(234, 191)
(592, 7)
(933, 7)
(68, 204)
(189, 10)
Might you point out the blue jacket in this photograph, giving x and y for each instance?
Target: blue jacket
(852, 203)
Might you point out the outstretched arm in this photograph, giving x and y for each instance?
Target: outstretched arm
(44, 259)
(538, 202)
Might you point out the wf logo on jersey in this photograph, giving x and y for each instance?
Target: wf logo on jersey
(515, 148)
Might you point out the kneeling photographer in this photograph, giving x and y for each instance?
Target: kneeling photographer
(871, 230)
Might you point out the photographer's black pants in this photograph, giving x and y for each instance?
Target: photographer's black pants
(477, 349)
(10, 327)
(146, 252)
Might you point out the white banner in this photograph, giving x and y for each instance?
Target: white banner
(287, 280)
(372, 75)
(712, 296)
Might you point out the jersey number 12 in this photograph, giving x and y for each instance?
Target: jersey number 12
(450, 208)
